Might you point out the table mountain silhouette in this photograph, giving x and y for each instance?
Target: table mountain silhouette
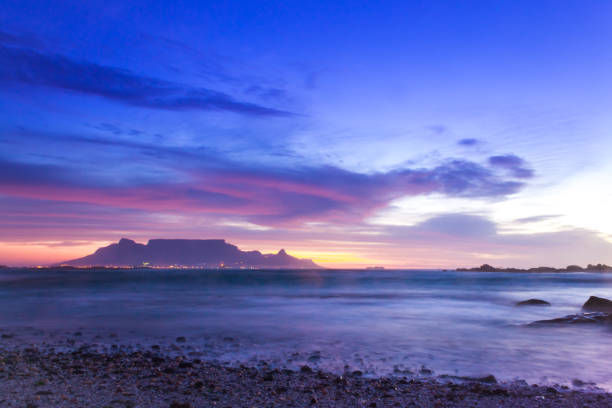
(208, 253)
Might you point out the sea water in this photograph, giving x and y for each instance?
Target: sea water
(384, 322)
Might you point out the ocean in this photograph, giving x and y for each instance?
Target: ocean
(384, 322)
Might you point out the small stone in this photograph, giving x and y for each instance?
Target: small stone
(180, 405)
(44, 392)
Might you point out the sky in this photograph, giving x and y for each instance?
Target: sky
(397, 133)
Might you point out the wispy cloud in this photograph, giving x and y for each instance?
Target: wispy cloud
(536, 218)
(514, 164)
(263, 194)
(27, 66)
(468, 142)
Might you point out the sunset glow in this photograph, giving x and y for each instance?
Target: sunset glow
(403, 135)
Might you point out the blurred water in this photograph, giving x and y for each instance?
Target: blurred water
(380, 322)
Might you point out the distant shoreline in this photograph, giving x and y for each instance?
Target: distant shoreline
(598, 268)
(540, 269)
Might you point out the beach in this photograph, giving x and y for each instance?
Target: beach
(30, 378)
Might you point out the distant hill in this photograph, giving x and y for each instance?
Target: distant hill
(205, 253)
(570, 268)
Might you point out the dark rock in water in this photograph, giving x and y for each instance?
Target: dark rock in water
(425, 371)
(579, 383)
(582, 318)
(597, 304)
(533, 302)
(181, 339)
(489, 379)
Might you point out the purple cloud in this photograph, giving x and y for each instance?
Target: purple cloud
(536, 218)
(26, 66)
(268, 195)
(468, 142)
(462, 225)
(512, 163)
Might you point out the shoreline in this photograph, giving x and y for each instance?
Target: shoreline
(147, 378)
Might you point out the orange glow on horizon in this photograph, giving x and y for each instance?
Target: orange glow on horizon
(45, 253)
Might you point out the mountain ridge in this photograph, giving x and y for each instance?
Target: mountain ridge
(206, 253)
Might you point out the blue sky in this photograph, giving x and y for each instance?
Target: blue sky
(397, 133)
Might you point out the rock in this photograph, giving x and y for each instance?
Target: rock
(180, 405)
(425, 371)
(305, 369)
(579, 383)
(181, 339)
(44, 392)
(533, 302)
(489, 379)
(597, 304)
(582, 318)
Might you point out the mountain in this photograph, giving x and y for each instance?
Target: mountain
(207, 253)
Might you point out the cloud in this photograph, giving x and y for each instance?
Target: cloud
(468, 142)
(536, 218)
(26, 174)
(20, 40)
(512, 163)
(265, 195)
(462, 225)
(470, 240)
(26, 66)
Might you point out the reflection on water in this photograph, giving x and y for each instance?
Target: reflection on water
(380, 322)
